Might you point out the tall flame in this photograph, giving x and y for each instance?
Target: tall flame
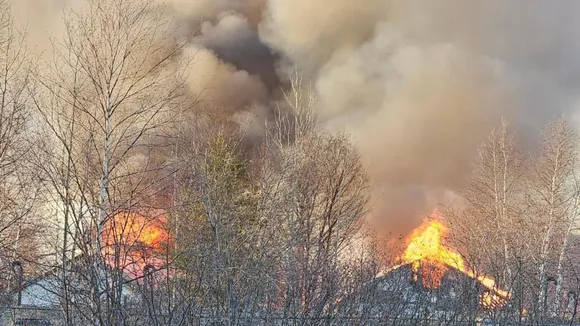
(426, 250)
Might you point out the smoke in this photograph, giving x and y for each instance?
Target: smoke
(418, 83)
(220, 84)
(191, 13)
(417, 112)
(233, 39)
(313, 33)
(42, 21)
(228, 28)
(233, 71)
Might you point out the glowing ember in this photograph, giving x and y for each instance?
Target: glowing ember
(131, 242)
(425, 250)
(431, 273)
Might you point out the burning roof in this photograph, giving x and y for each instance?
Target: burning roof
(400, 294)
(432, 281)
(426, 249)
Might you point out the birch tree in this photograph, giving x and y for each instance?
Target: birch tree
(488, 223)
(115, 81)
(553, 201)
(492, 195)
(19, 227)
(15, 122)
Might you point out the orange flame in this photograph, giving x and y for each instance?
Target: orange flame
(131, 242)
(426, 250)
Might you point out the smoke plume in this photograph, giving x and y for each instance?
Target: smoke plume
(419, 84)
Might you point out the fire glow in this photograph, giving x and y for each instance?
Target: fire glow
(426, 252)
(132, 242)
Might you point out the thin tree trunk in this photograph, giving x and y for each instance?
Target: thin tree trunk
(562, 256)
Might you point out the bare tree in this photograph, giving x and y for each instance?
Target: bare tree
(515, 205)
(488, 222)
(114, 83)
(222, 219)
(15, 120)
(553, 201)
(18, 187)
(315, 185)
(491, 197)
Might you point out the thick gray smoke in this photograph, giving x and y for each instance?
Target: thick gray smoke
(228, 28)
(418, 83)
(233, 71)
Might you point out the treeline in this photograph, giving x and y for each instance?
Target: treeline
(518, 218)
(108, 126)
(263, 229)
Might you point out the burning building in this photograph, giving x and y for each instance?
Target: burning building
(432, 284)
(431, 259)
(134, 242)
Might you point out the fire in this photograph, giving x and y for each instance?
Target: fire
(425, 245)
(425, 249)
(131, 242)
(490, 300)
